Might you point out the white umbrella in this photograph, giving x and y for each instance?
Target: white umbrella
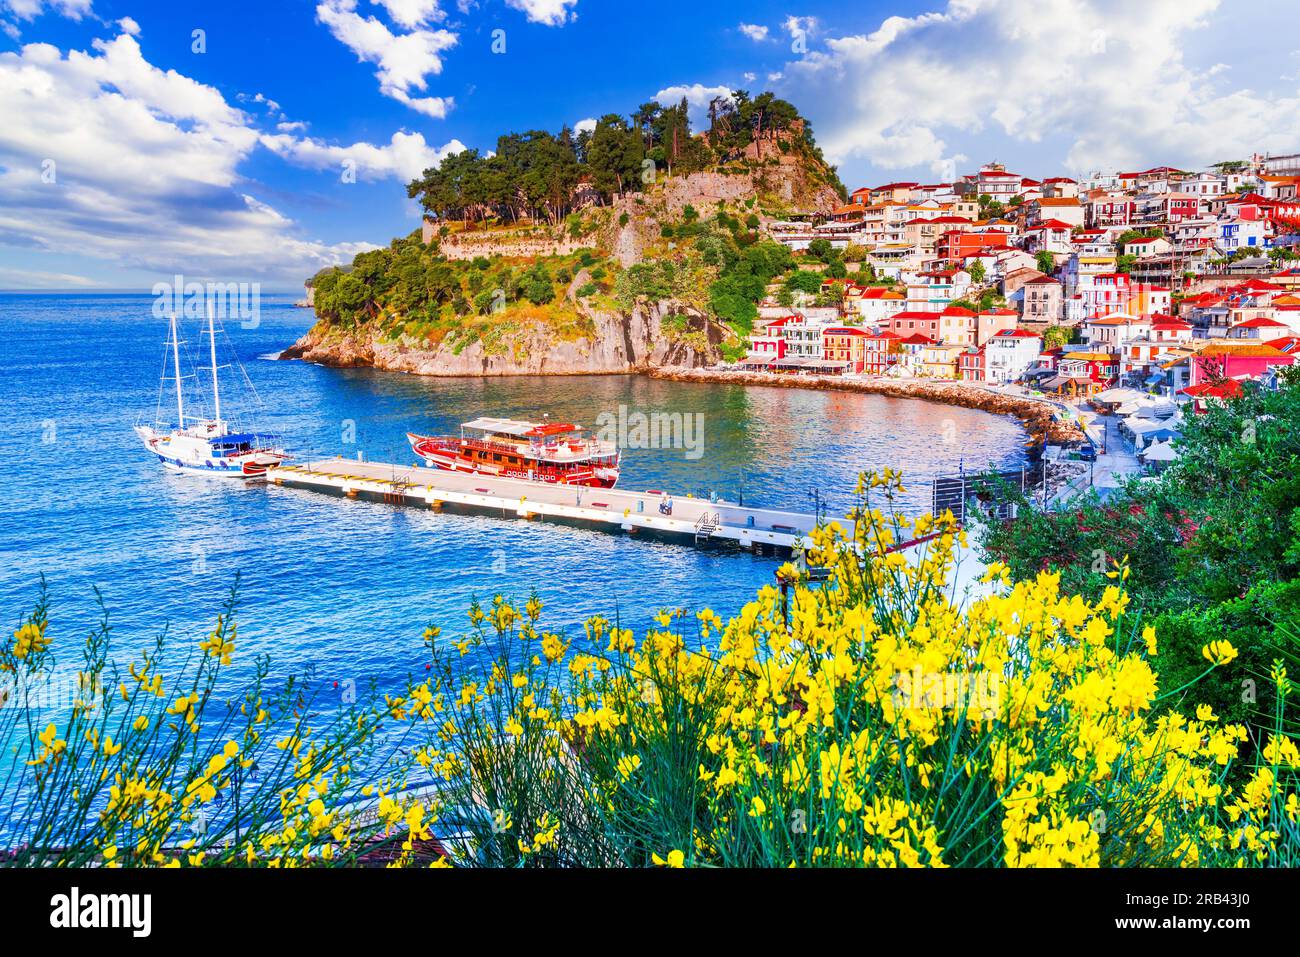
(1160, 452)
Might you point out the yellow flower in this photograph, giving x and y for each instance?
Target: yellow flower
(627, 764)
(221, 643)
(1219, 652)
(675, 859)
(29, 639)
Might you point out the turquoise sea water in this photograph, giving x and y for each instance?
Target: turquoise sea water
(344, 587)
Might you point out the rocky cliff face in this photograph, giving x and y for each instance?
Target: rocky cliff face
(621, 343)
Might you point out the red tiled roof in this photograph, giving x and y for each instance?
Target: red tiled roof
(1259, 322)
(1227, 389)
(1255, 285)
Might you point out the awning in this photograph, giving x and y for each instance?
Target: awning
(1160, 452)
(1117, 396)
(1057, 382)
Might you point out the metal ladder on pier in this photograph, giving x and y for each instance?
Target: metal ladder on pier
(706, 525)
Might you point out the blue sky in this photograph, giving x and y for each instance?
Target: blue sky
(126, 156)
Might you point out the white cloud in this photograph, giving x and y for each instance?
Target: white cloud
(404, 60)
(552, 13)
(698, 96)
(412, 13)
(31, 9)
(103, 154)
(588, 124)
(800, 26)
(754, 31)
(1107, 84)
(260, 99)
(406, 156)
(127, 25)
(12, 278)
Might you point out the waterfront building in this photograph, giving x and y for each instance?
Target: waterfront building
(939, 360)
(883, 351)
(766, 343)
(970, 365)
(847, 345)
(1009, 354)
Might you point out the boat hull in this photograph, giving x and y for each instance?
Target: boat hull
(438, 454)
(247, 466)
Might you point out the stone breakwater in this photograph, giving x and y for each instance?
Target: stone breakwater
(1037, 416)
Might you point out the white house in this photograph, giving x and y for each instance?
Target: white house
(1009, 353)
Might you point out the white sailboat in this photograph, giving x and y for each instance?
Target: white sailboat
(208, 446)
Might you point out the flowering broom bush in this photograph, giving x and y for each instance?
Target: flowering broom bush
(142, 768)
(873, 720)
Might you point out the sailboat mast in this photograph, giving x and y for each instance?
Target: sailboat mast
(176, 360)
(212, 343)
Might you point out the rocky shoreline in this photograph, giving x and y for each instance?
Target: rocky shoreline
(622, 343)
(1037, 417)
(635, 346)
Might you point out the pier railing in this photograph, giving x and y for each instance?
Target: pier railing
(986, 491)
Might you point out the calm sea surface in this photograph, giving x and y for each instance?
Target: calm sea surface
(346, 587)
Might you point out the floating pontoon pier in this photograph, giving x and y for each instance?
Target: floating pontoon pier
(697, 520)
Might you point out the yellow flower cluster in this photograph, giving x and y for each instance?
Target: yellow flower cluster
(873, 720)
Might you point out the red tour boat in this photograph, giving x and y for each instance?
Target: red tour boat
(552, 452)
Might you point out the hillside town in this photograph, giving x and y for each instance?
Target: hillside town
(1158, 289)
(1159, 280)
